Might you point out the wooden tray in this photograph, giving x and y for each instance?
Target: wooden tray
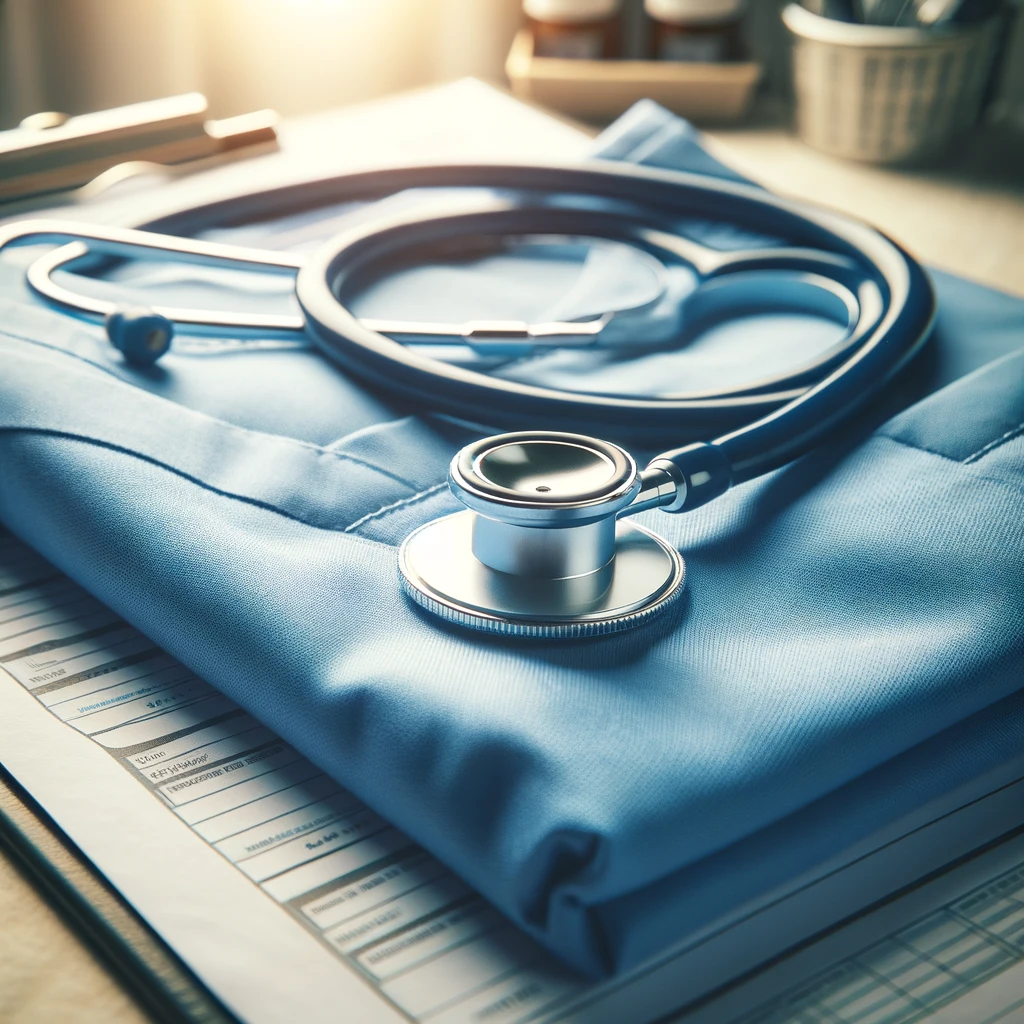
(599, 90)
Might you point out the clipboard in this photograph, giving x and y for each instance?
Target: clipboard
(139, 959)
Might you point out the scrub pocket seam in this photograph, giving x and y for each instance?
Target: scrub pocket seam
(920, 448)
(205, 485)
(109, 370)
(224, 424)
(992, 445)
(395, 505)
(973, 460)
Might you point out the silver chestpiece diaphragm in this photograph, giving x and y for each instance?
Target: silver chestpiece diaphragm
(539, 551)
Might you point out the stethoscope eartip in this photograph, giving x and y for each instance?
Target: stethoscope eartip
(139, 333)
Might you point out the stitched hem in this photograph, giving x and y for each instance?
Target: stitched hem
(919, 448)
(1014, 486)
(972, 458)
(386, 509)
(992, 445)
(330, 452)
(230, 495)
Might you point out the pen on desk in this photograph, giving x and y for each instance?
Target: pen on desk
(50, 152)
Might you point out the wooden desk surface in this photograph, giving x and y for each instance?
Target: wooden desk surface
(967, 217)
(46, 972)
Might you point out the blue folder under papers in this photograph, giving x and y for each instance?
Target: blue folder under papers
(852, 645)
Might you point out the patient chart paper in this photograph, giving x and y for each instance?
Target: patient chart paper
(292, 900)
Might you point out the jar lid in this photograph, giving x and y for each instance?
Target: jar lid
(689, 12)
(570, 10)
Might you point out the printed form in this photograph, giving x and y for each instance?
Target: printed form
(383, 906)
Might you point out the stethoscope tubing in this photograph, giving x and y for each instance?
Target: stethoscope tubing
(786, 422)
(777, 435)
(122, 242)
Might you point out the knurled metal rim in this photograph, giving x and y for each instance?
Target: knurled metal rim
(553, 630)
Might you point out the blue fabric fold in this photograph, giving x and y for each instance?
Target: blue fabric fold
(852, 645)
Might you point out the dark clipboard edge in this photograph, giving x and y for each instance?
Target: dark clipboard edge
(153, 974)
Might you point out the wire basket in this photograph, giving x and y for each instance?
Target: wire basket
(887, 95)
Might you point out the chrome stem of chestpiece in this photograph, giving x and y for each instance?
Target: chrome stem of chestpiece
(542, 549)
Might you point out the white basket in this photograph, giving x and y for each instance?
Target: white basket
(886, 95)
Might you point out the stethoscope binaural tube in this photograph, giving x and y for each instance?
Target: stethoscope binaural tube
(906, 293)
(759, 429)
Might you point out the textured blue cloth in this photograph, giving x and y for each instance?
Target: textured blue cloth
(852, 644)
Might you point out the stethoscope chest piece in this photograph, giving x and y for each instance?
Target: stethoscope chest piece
(539, 551)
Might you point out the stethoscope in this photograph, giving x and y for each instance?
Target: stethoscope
(544, 547)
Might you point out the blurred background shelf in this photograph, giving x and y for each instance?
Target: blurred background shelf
(298, 56)
(600, 90)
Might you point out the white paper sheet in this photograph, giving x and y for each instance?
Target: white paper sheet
(332, 911)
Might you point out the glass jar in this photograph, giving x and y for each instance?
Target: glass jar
(575, 29)
(704, 31)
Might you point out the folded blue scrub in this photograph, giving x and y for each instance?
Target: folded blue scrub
(851, 647)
